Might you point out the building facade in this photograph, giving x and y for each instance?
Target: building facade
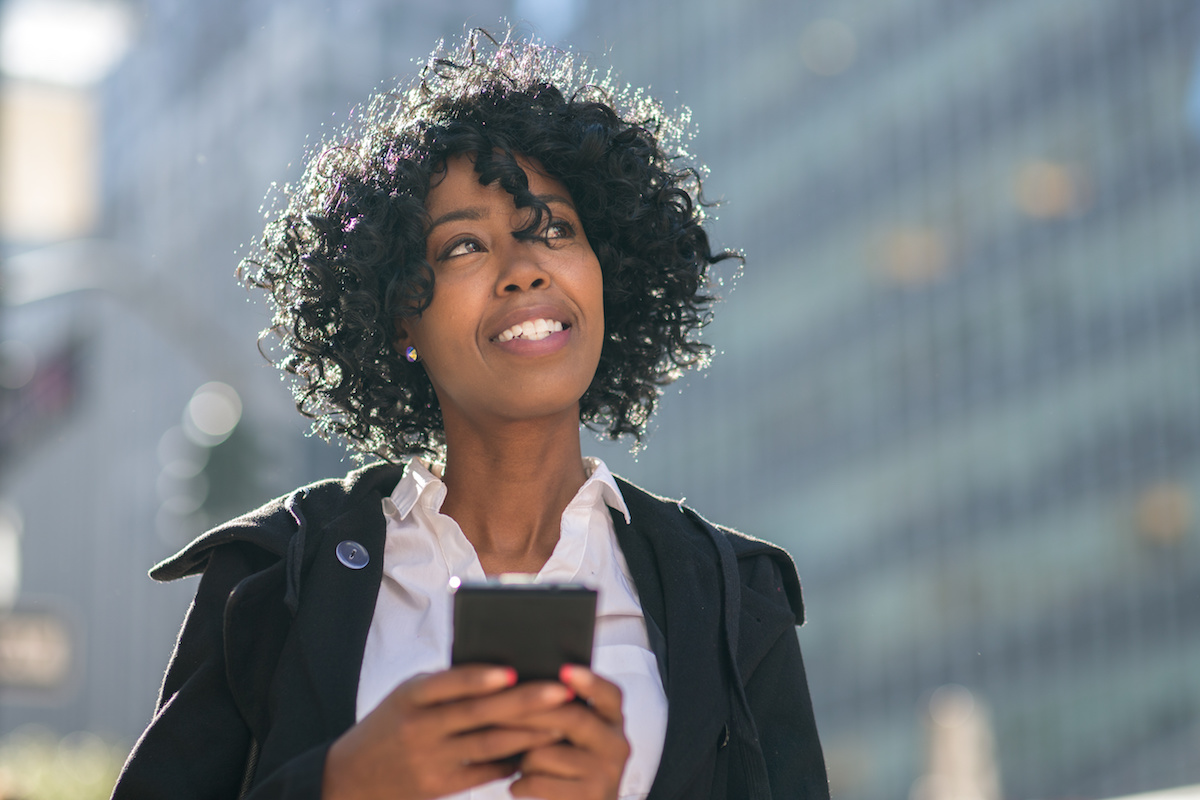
(959, 374)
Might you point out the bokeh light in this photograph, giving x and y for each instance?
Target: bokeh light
(212, 414)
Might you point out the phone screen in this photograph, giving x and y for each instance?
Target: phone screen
(533, 628)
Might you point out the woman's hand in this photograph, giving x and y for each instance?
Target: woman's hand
(442, 733)
(589, 751)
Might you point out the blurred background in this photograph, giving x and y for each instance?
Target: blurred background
(959, 378)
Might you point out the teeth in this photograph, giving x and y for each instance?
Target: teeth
(531, 330)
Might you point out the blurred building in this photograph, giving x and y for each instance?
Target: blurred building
(124, 325)
(958, 379)
(961, 373)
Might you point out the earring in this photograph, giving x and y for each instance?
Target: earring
(410, 355)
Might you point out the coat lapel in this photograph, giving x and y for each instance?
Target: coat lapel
(314, 692)
(676, 574)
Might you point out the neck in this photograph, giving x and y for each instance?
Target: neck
(507, 489)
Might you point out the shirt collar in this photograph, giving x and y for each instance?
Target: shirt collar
(598, 474)
(419, 480)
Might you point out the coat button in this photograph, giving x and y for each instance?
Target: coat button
(352, 554)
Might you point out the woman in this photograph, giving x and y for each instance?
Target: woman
(490, 259)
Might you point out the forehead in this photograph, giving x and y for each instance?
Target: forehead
(458, 187)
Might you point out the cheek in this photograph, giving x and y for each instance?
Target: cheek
(446, 318)
(596, 291)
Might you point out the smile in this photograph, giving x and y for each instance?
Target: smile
(531, 330)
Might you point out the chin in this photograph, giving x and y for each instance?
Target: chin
(522, 410)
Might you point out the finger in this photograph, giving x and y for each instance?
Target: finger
(583, 727)
(493, 744)
(502, 709)
(563, 771)
(559, 761)
(548, 787)
(602, 695)
(456, 683)
(363, 763)
(468, 776)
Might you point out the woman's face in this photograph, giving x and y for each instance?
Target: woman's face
(515, 327)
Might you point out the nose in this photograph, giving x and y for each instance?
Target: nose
(523, 268)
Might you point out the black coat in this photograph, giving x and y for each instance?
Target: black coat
(266, 667)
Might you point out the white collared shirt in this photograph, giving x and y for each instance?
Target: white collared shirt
(411, 629)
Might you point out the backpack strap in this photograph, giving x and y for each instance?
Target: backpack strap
(747, 749)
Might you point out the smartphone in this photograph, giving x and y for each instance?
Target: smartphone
(534, 628)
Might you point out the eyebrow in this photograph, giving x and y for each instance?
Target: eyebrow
(475, 213)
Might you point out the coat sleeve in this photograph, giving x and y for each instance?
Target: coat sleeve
(777, 687)
(198, 743)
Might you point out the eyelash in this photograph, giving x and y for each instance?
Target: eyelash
(568, 230)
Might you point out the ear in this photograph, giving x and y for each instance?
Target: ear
(403, 337)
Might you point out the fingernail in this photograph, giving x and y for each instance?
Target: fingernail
(565, 673)
(504, 677)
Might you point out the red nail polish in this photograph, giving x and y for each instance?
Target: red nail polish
(564, 673)
(510, 677)
(570, 694)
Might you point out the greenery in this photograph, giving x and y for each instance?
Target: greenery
(35, 764)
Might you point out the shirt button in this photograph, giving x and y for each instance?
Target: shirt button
(352, 554)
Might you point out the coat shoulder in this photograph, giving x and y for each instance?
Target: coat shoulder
(765, 566)
(270, 527)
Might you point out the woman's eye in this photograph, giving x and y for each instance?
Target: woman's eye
(560, 229)
(462, 247)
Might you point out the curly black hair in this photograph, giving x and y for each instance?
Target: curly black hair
(346, 257)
